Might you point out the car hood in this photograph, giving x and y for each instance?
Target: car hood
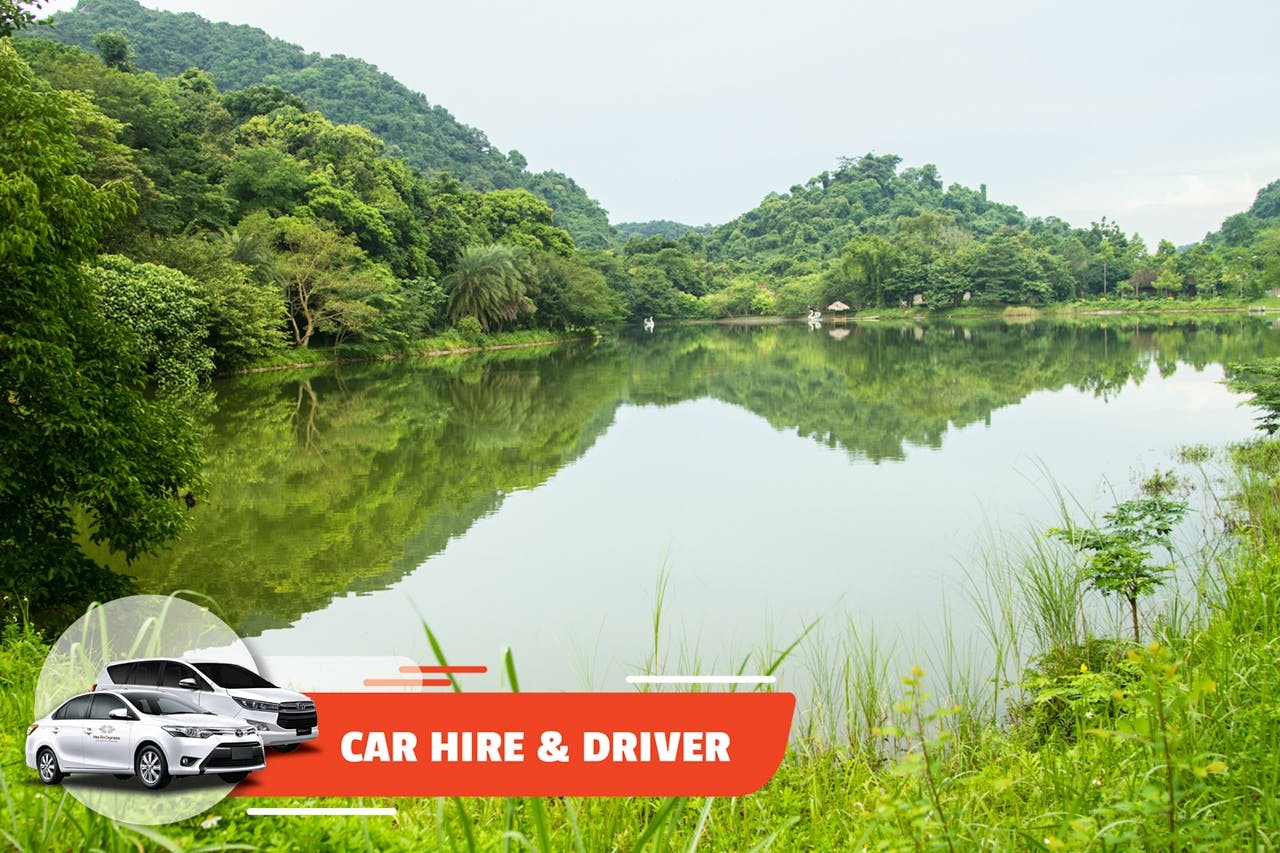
(208, 721)
(268, 694)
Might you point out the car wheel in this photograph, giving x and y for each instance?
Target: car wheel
(47, 767)
(233, 778)
(286, 747)
(153, 770)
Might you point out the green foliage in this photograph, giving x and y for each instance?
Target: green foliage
(1261, 380)
(490, 284)
(1072, 690)
(167, 314)
(568, 294)
(625, 231)
(17, 14)
(78, 435)
(469, 328)
(329, 284)
(522, 219)
(235, 281)
(114, 50)
(259, 100)
(264, 178)
(921, 813)
(346, 90)
(1118, 558)
(867, 264)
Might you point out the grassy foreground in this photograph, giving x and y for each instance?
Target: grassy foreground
(1101, 745)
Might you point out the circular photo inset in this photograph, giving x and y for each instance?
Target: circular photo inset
(119, 721)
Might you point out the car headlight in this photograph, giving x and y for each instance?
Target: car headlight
(188, 731)
(255, 705)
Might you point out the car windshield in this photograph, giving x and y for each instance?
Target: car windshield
(231, 676)
(159, 704)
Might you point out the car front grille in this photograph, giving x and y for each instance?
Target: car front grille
(299, 716)
(232, 755)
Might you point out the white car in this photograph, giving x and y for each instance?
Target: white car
(140, 733)
(283, 718)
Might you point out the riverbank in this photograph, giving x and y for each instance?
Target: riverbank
(1022, 313)
(449, 343)
(1105, 745)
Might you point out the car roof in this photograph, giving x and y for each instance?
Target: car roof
(111, 688)
(158, 657)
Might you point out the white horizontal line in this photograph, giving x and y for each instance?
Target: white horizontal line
(324, 810)
(701, 679)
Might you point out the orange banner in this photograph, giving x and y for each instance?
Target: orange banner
(533, 744)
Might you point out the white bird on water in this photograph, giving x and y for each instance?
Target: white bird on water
(648, 323)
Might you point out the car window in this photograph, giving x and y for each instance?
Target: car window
(119, 672)
(175, 672)
(231, 676)
(76, 709)
(103, 705)
(158, 703)
(145, 673)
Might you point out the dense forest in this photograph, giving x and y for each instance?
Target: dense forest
(346, 90)
(870, 233)
(227, 208)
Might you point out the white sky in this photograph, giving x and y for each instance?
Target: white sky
(1159, 115)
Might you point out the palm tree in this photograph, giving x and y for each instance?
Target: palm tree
(488, 283)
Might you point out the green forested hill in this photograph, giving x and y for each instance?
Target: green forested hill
(655, 228)
(346, 90)
(865, 195)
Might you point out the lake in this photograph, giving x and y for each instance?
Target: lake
(765, 476)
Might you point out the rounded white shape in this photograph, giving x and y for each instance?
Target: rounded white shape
(137, 626)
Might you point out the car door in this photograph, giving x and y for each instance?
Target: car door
(108, 744)
(69, 731)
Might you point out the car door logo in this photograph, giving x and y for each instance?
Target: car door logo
(106, 734)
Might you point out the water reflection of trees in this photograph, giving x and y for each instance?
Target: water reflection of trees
(337, 483)
(884, 387)
(342, 481)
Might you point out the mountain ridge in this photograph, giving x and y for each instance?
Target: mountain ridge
(345, 89)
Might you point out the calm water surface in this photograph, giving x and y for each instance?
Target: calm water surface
(773, 474)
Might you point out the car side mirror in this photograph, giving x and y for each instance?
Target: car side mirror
(120, 714)
(188, 684)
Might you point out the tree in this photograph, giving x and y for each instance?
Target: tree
(329, 283)
(522, 219)
(1167, 281)
(82, 447)
(569, 294)
(267, 179)
(1003, 271)
(167, 313)
(234, 271)
(868, 263)
(114, 50)
(259, 100)
(13, 15)
(488, 282)
(1118, 555)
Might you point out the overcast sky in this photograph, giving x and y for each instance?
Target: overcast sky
(1159, 115)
